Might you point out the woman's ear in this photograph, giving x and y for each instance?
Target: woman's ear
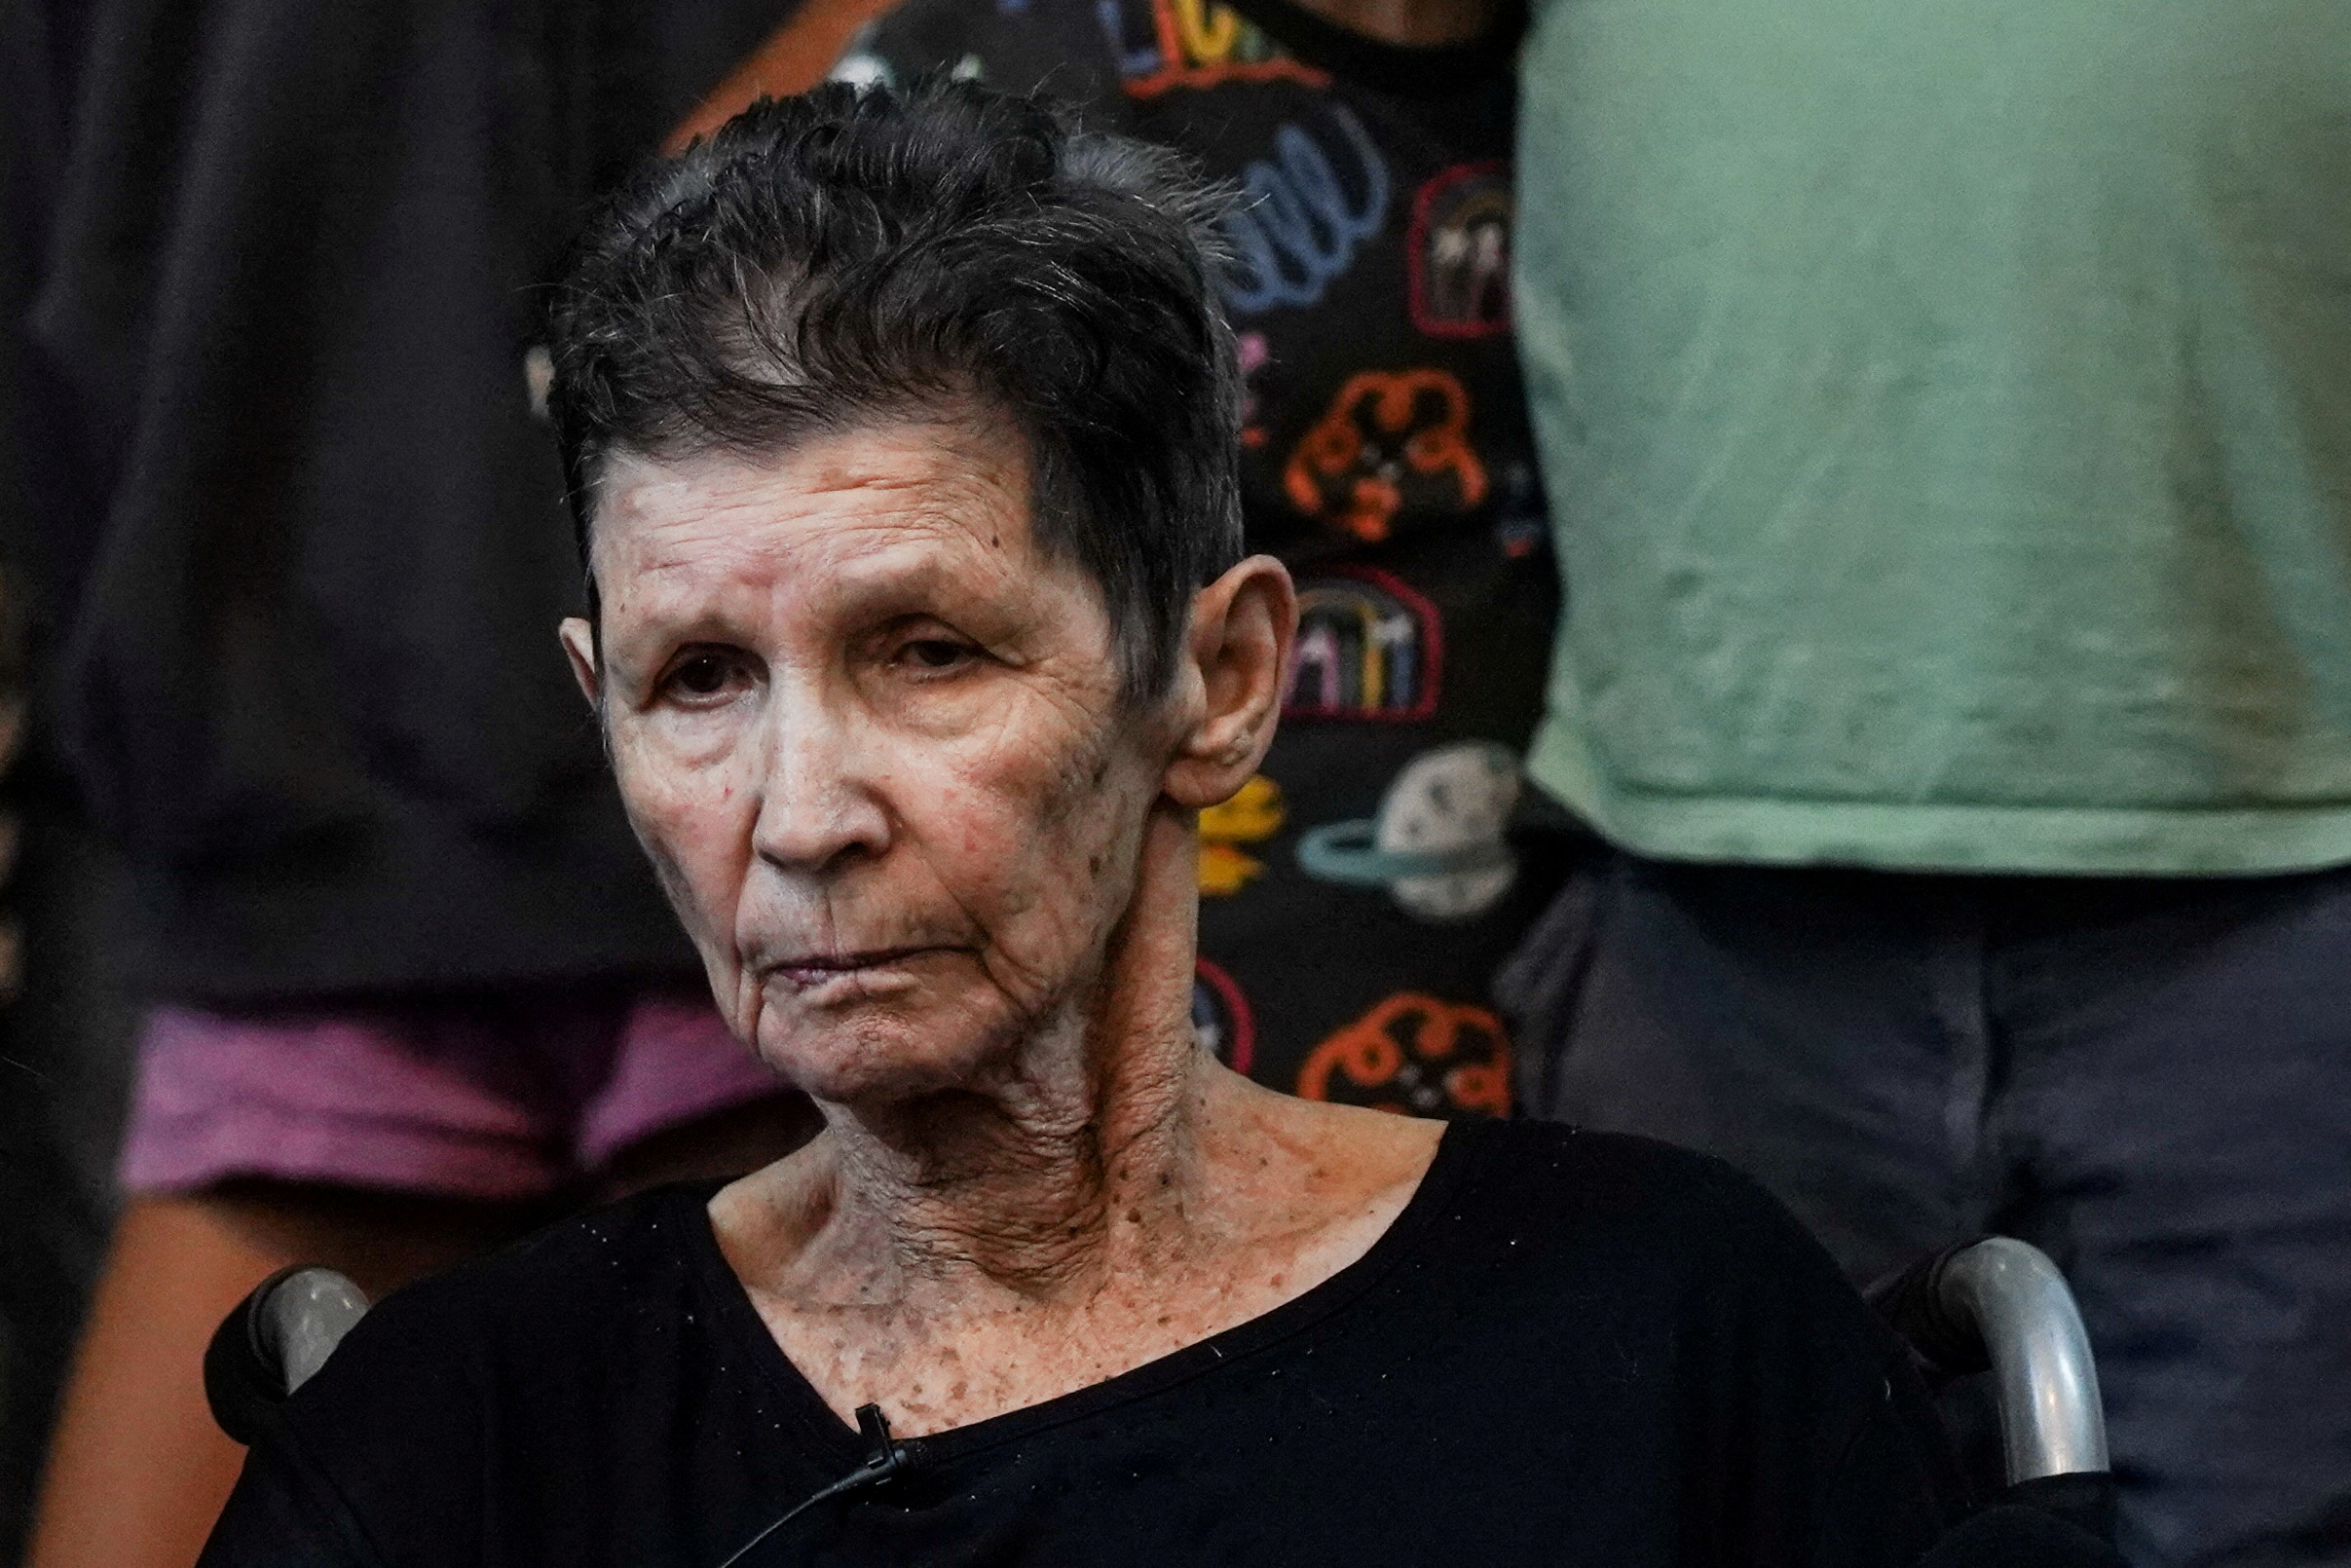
(1236, 657)
(580, 646)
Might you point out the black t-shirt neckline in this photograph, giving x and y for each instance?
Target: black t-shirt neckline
(735, 1318)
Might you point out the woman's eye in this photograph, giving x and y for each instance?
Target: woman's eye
(701, 675)
(935, 652)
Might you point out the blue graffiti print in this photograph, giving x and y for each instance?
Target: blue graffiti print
(1301, 227)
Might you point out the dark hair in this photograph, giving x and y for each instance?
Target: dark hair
(854, 255)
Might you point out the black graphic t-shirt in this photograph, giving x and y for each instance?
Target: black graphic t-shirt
(1358, 894)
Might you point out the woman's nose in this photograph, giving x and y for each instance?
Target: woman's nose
(818, 797)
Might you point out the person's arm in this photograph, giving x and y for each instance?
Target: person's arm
(136, 1468)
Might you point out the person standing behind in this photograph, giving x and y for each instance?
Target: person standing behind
(1358, 895)
(1946, 414)
(407, 987)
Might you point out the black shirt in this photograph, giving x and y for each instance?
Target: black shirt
(1570, 1348)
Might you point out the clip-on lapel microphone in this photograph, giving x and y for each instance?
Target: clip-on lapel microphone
(884, 1457)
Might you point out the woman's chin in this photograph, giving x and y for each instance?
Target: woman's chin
(878, 1054)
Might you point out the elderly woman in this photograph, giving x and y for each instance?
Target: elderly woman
(902, 429)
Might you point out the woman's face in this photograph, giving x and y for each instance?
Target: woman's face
(872, 740)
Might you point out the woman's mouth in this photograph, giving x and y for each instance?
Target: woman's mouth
(809, 970)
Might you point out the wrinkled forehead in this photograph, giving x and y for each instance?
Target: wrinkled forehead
(906, 506)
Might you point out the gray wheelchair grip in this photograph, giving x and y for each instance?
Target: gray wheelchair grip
(2052, 1421)
(303, 1319)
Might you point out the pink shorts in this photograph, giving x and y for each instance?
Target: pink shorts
(499, 1098)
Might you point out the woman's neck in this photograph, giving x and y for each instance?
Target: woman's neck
(1035, 1187)
(1409, 24)
(1108, 1196)
(1048, 1170)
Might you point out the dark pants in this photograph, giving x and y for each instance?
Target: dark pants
(2150, 1079)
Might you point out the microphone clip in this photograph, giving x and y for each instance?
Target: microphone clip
(884, 1456)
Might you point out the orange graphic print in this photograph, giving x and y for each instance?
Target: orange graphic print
(1389, 436)
(1203, 43)
(1416, 1054)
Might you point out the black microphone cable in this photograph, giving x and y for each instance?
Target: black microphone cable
(885, 1458)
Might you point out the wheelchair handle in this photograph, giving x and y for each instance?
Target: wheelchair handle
(279, 1337)
(299, 1320)
(2052, 1420)
(1998, 1304)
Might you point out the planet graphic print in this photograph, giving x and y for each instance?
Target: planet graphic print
(1437, 844)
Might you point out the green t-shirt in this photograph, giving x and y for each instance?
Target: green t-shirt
(1946, 406)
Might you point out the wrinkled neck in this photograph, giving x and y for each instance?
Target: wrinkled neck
(1043, 1172)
